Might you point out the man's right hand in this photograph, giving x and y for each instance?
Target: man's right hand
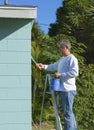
(40, 66)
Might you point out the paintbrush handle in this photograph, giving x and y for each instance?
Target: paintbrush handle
(33, 60)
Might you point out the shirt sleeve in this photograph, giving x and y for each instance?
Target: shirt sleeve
(45, 67)
(51, 67)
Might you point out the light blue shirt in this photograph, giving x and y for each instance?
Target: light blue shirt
(67, 66)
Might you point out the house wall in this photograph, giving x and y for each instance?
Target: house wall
(15, 74)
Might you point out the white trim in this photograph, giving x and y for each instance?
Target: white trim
(18, 12)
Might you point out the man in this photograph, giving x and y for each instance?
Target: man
(67, 71)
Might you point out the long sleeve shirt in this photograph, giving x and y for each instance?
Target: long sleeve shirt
(67, 66)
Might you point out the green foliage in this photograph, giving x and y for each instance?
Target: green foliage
(76, 18)
(84, 106)
(45, 50)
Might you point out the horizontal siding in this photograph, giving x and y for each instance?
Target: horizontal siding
(9, 45)
(15, 105)
(15, 126)
(16, 94)
(15, 58)
(12, 118)
(12, 82)
(15, 70)
(13, 29)
(15, 74)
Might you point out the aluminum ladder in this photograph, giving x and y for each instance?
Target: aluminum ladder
(58, 121)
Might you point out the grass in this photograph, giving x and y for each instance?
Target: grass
(44, 126)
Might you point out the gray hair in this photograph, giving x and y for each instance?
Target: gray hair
(64, 43)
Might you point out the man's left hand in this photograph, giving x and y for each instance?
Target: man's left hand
(57, 75)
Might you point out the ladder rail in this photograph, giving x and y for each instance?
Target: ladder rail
(58, 121)
(45, 86)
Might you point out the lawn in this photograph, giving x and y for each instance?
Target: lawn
(44, 126)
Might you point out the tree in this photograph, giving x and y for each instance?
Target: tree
(76, 18)
(45, 50)
(37, 83)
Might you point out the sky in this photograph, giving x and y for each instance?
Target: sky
(46, 10)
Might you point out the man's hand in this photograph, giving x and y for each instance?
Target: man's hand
(40, 66)
(57, 75)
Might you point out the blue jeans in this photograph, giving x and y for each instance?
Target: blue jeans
(67, 99)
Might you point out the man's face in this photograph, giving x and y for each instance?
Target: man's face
(63, 50)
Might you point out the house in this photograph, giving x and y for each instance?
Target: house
(15, 67)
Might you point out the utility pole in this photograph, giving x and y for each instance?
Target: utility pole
(6, 2)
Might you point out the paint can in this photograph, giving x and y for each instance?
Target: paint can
(55, 84)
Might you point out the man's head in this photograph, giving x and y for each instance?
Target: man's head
(65, 43)
(65, 47)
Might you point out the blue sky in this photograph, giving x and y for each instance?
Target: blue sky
(46, 10)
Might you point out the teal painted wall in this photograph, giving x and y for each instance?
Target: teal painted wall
(15, 74)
